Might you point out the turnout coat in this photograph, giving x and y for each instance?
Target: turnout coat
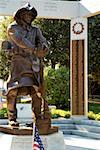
(25, 65)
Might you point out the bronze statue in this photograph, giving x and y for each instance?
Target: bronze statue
(28, 47)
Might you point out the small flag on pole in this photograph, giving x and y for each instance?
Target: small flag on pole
(37, 142)
(1, 105)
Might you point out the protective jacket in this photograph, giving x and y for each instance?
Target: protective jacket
(25, 65)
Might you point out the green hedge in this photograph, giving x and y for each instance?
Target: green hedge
(57, 87)
(94, 107)
(3, 113)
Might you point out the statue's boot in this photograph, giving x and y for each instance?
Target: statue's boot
(13, 123)
(43, 115)
(11, 106)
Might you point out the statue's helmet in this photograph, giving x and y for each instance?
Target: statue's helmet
(25, 9)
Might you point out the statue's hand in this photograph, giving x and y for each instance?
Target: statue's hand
(41, 53)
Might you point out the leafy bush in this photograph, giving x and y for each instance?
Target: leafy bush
(98, 117)
(94, 107)
(57, 87)
(93, 116)
(3, 113)
(55, 113)
(54, 116)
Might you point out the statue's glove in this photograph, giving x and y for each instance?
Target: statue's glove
(42, 52)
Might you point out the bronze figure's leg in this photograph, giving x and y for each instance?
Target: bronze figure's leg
(11, 105)
(36, 103)
(42, 114)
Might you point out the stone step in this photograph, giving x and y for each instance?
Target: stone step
(94, 129)
(75, 142)
(65, 126)
(77, 148)
(62, 121)
(82, 133)
(76, 122)
(86, 122)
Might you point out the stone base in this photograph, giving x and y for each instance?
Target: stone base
(16, 130)
(23, 130)
(14, 142)
(54, 141)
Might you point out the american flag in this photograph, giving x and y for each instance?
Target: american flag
(37, 142)
(1, 105)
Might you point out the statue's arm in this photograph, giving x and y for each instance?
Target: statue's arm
(43, 44)
(20, 41)
(41, 39)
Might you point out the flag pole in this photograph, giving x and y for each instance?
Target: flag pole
(33, 135)
(36, 139)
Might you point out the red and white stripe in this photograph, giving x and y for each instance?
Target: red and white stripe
(1, 105)
(36, 146)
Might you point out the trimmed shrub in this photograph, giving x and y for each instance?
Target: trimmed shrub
(57, 87)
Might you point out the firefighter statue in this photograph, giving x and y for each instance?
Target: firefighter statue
(27, 47)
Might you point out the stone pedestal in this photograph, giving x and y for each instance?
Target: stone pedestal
(13, 142)
(54, 141)
(21, 130)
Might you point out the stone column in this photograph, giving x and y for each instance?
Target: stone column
(78, 67)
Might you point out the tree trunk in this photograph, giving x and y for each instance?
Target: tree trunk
(52, 64)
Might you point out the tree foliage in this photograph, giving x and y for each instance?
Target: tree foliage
(4, 62)
(4, 65)
(94, 47)
(57, 33)
(4, 24)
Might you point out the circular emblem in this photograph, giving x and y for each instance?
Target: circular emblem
(78, 28)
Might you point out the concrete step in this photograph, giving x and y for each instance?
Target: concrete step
(86, 122)
(82, 130)
(65, 126)
(79, 127)
(77, 148)
(75, 142)
(94, 129)
(82, 133)
(62, 121)
(76, 121)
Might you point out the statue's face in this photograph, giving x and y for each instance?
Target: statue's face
(27, 17)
